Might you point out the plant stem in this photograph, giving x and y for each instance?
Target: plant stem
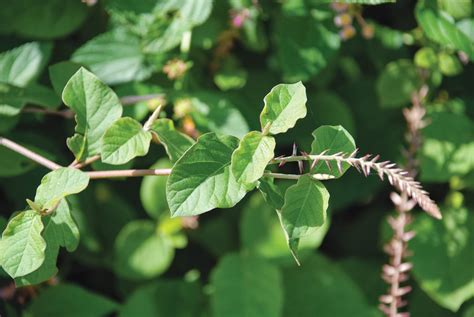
(28, 153)
(88, 161)
(282, 176)
(130, 100)
(396, 176)
(129, 173)
(396, 271)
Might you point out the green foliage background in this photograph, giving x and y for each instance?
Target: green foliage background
(212, 72)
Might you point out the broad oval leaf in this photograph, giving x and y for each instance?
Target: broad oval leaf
(442, 259)
(141, 251)
(397, 83)
(303, 54)
(321, 288)
(153, 191)
(271, 193)
(215, 112)
(60, 229)
(23, 64)
(251, 157)
(284, 105)
(45, 20)
(201, 179)
(332, 139)
(261, 233)
(22, 246)
(175, 142)
(246, 286)
(58, 184)
(70, 300)
(124, 140)
(96, 107)
(441, 29)
(304, 210)
(116, 57)
(159, 298)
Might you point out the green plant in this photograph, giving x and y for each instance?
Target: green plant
(162, 112)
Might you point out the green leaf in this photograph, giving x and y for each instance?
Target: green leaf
(301, 55)
(448, 147)
(271, 193)
(96, 107)
(60, 229)
(214, 112)
(46, 20)
(72, 301)
(449, 65)
(22, 247)
(457, 8)
(334, 139)
(115, 57)
(443, 256)
(186, 15)
(160, 298)
(439, 28)
(58, 184)
(304, 210)
(250, 159)
(426, 58)
(201, 179)
(13, 98)
(141, 252)
(21, 65)
(124, 140)
(246, 286)
(284, 105)
(321, 286)
(261, 234)
(175, 142)
(397, 83)
(60, 73)
(153, 191)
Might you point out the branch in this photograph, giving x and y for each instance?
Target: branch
(397, 271)
(396, 176)
(129, 173)
(88, 161)
(29, 154)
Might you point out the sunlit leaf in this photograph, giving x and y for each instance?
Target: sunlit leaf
(201, 179)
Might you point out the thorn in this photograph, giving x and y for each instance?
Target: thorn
(313, 164)
(328, 165)
(404, 267)
(339, 166)
(353, 154)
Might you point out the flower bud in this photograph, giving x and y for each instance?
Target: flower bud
(347, 32)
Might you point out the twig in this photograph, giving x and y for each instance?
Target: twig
(28, 153)
(88, 161)
(397, 271)
(129, 173)
(130, 100)
(396, 176)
